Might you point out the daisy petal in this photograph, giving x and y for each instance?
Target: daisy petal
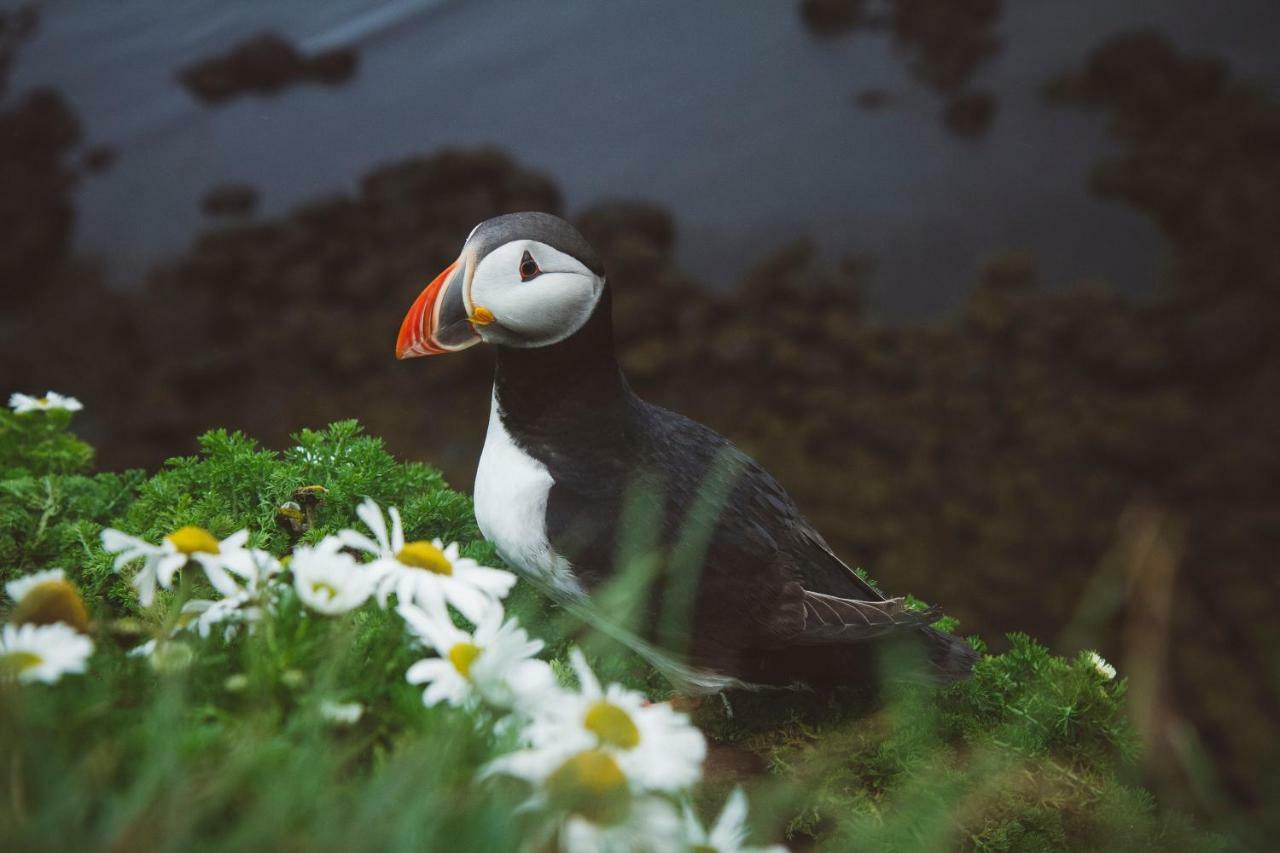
(587, 680)
(371, 515)
(397, 530)
(427, 669)
(730, 829)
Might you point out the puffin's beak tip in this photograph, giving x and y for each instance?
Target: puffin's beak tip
(420, 332)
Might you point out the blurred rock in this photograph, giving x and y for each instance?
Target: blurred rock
(826, 17)
(970, 114)
(98, 159)
(944, 42)
(36, 182)
(605, 222)
(332, 67)
(16, 25)
(264, 64)
(872, 99)
(948, 39)
(230, 199)
(1200, 154)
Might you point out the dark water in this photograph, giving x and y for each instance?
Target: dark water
(729, 114)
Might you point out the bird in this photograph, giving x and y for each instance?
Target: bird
(743, 591)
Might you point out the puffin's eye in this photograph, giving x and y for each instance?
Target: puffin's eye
(529, 267)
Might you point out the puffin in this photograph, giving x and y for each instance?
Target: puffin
(582, 485)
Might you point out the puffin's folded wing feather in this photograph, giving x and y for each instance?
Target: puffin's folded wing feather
(823, 566)
(829, 619)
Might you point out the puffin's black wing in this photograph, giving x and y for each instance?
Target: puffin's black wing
(763, 551)
(824, 603)
(769, 580)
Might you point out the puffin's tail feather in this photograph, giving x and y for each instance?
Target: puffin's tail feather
(914, 654)
(950, 658)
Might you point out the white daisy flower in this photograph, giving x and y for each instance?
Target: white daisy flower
(496, 663)
(425, 573)
(202, 614)
(1099, 663)
(341, 713)
(242, 607)
(649, 825)
(162, 562)
(729, 831)
(655, 746)
(590, 803)
(254, 566)
(18, 588)
(23, 403)
(47, 597)
(42, 652)
(329, 580)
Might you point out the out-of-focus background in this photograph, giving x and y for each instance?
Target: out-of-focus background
(992, 287)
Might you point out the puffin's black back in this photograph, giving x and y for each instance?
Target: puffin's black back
(569, 406)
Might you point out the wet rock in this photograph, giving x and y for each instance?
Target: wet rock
(36, 182)
(827, 17)
(99, 158)
(872, 99)
(947, 40)
(265, 65)
(1145, 76)
(16, 25)
(607, 221)
(230, 199)
(944, 43)
(970, 114)
(332, 67)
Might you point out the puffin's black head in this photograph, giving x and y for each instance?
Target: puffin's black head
(523, 280)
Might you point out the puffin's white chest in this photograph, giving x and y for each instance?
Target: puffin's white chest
(511, 507)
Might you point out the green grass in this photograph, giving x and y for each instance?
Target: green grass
(1032, 753)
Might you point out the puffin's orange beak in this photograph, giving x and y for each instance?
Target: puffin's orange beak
(438, 321)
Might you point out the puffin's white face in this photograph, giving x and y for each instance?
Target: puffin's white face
(535, 295)
(516, 284)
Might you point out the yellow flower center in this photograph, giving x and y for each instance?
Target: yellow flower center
(462, 655)
(52, 601)
(612, 725)
(590, 784)
(191, 540)
(324, 590)
(424, 555)
(19, 662)
(43, 401)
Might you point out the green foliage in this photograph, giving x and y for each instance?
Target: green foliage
(128, 758)
(37, 443)
(234, 484)
(1028, 754)
(50, 512)
(231, 751)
